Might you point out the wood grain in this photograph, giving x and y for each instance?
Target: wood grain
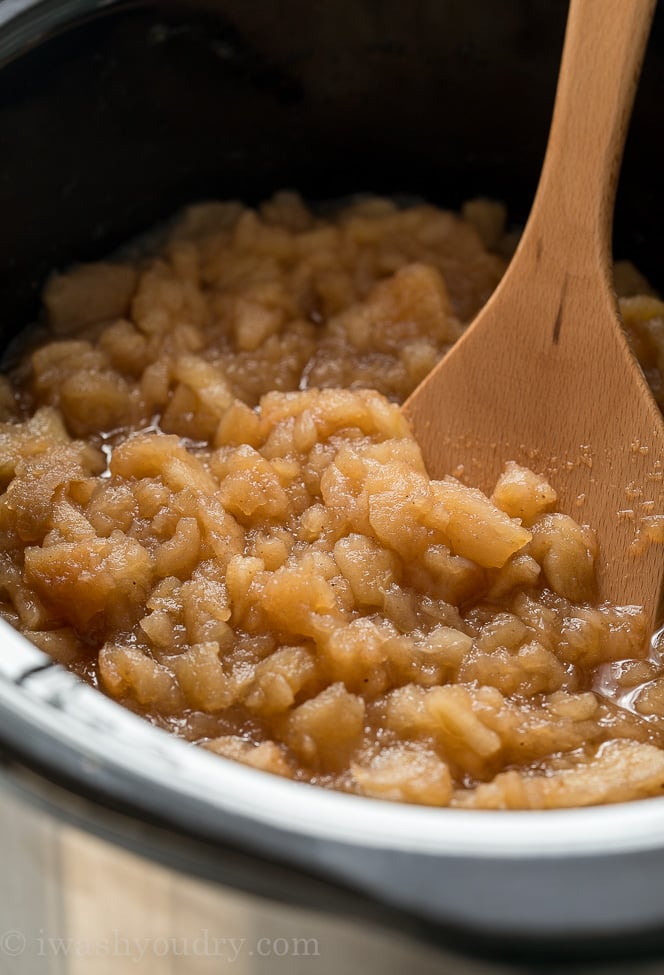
(544, 375)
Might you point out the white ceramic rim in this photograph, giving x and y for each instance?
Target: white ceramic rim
(62, 710)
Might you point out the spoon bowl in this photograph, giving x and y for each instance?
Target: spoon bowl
(544, 376)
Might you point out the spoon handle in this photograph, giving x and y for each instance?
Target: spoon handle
(605, 42)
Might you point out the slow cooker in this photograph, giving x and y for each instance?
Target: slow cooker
(113, 114)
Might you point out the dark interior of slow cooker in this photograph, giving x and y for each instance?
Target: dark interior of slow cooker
(108, 126)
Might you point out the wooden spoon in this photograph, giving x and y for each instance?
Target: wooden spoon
(544, 375)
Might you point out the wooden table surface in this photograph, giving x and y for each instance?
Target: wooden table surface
(74, 904)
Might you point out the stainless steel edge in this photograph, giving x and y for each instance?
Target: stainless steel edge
(572, 871)
(30, 20)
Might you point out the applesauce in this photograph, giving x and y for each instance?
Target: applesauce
(213, 510)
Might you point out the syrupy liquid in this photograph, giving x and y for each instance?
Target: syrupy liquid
(623, 684)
